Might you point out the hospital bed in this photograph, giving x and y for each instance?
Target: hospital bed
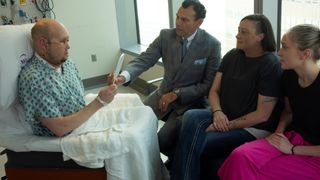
(28, 156)
(111, 143)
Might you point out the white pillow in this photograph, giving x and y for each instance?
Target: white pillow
(15, 50)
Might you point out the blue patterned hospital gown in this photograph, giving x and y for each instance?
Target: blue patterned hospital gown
(46, 93)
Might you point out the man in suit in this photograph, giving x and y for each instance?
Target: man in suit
(189, 69)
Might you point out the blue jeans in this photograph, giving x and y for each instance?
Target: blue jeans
(195, 144)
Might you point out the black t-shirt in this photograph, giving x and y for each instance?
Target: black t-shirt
(243, 78)
(304, 102)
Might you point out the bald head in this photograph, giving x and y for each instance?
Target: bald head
(45, 28)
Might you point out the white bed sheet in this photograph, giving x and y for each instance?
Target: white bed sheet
(15, 134)
(116, 137)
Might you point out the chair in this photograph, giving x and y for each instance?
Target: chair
(28, 156)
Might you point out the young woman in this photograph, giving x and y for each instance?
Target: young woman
(292, 153)
(243, 96)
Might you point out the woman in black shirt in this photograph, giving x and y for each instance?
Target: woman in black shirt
(294, 153)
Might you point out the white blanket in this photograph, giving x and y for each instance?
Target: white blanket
(121, 136)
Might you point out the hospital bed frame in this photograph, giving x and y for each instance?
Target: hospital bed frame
(46, 165)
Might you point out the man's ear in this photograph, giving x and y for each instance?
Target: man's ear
(199, 22)
(40, 45)
(42, 42)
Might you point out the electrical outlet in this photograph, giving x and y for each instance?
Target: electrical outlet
(93, 57)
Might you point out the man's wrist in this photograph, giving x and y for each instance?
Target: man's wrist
(102, 102)
(122, 79)
(126, 76)
(177, 92)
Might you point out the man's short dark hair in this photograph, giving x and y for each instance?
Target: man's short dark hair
(197, 7)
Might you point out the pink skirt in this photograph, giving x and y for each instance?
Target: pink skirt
(259, 160)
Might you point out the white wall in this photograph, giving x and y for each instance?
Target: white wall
(93, 29)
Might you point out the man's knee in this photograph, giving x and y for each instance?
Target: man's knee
(167, 137)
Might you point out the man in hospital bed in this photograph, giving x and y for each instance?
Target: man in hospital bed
(101, 132)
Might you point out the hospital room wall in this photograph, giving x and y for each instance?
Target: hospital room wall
(93, 30)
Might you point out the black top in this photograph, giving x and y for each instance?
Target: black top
(243, 78)
(304, 102)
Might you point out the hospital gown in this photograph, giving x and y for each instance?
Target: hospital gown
(44, 92)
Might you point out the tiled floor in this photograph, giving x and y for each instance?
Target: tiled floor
(121, 89)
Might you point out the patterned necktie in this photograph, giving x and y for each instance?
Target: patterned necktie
(184, 43)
